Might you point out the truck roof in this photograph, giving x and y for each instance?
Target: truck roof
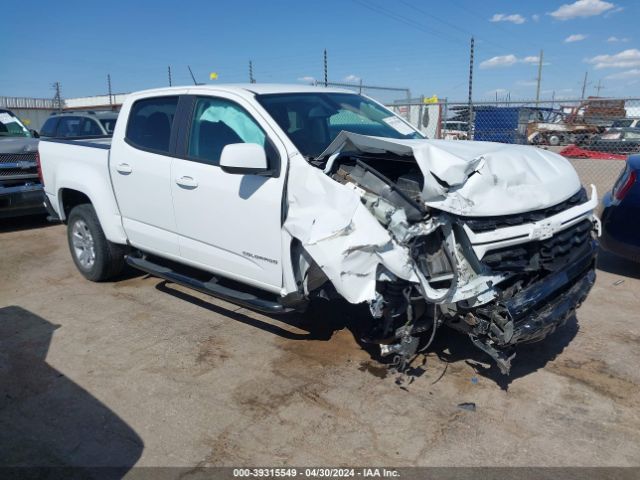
(245, 89)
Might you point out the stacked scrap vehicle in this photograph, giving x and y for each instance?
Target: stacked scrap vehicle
(577, 125)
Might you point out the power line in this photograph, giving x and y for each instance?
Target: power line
(449, 24)
(406, 21)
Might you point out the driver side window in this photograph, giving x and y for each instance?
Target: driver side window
(217, 123)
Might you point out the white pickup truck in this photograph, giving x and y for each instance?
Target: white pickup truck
(269, 196)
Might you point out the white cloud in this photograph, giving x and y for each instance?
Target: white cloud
(306, 79)
(581, 8)
(625, 59)
(508, 61)
(513, 18)
(351, 78)
(535, 17)
(611, 12)
(531, 59)
(500, 61)
(626, 75)
(616, 39)
(576, 37)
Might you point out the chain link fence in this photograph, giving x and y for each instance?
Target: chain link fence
(596, 134)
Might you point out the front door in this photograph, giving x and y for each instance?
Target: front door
(228, 223)
(140, 170)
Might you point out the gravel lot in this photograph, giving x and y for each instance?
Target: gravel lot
(140, 372)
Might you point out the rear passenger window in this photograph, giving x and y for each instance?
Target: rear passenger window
(68, 127)
(149, 125)
(49, 127)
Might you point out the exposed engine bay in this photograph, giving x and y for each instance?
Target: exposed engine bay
(501, 279)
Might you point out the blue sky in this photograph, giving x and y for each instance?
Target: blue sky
(422, 45)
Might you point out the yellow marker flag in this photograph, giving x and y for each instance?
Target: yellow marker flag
(213, 76)
(432, 99)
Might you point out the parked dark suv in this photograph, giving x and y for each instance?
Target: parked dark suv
(79, 124)
(20, 188)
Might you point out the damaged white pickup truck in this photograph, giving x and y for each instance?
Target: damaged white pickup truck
(268, 196)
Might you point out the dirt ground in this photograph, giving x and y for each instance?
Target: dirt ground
(140, 372)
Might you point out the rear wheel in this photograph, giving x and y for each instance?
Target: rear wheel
(97, 258)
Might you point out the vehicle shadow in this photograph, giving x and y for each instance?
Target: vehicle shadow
(611, 263)
(316, 322)
(322, 319)
(28, 222)
(50, 427)
(451, 346)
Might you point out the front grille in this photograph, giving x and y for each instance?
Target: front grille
(18, 166)
(550, 255)
(486, 224)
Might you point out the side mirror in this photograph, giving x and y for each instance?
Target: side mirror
(244, 159)
(34, 133)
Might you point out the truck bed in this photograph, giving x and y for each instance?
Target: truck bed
(81, 166)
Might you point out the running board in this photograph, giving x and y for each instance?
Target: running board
(210, 288)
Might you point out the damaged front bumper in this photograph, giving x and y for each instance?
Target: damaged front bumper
(533, 313)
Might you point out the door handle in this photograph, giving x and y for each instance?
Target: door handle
(124, 168)
(187, 182)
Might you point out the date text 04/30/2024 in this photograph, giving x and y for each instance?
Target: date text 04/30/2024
(316, 472)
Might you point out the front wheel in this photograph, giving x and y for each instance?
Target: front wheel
(96, 258)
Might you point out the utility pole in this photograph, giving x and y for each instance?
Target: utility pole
(169, 70)
(57, 99)
(192, 77)
(251, 79)
(539, 78)
(470, 122)
(599, 87)
(326, 77)
(584, 84)
(109, 85)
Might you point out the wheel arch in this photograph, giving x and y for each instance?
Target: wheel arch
(72, 196)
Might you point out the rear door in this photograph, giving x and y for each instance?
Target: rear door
(228, 223)
(140, 168)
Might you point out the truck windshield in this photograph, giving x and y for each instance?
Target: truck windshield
(313, 120)
(11, 126)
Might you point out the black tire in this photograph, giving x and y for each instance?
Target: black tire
(102, 262)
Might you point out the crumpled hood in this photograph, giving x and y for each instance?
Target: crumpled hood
(477, 178)
(18, 145)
